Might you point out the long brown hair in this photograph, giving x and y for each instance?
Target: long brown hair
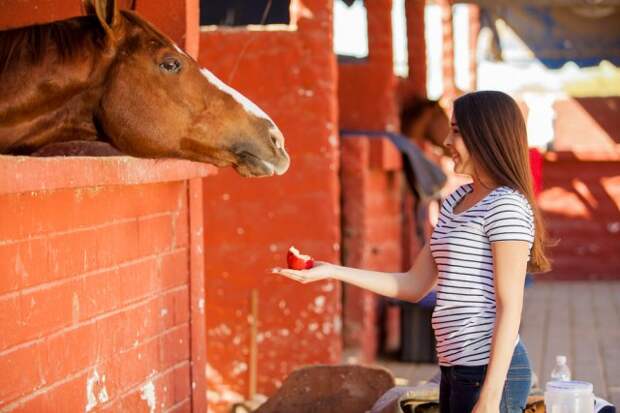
(494, 132)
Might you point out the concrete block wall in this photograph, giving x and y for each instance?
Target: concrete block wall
(372, 237)
(96, 301)
(290, 72)
(98, 312)
(366, 89)
(416, 48)
(378, 221)
(447, 44)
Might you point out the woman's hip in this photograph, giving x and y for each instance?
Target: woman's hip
(518, 381)
(462, 383)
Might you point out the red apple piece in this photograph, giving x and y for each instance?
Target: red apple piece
(297, 260)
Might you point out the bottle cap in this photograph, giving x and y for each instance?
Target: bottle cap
(560, 359)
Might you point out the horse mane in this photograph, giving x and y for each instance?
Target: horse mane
(67, 38)
(31, 44)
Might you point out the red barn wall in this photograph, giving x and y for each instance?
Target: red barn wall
(372, 235)
(587, 124)
(290, 72)
(372, 179)
(178, 19)
(95, 257)
(96, 303)
(416, 48)
(581, 198)
(366, 89)
(581, 205)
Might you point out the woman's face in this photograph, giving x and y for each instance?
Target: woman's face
(463, 163)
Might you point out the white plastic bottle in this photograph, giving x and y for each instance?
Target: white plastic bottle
(560, 372)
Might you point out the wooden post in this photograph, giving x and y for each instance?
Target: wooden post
(253, 368)
(474, 31)
(449, 87)
(416, 47)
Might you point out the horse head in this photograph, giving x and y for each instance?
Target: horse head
(423, 119)
(158, 102)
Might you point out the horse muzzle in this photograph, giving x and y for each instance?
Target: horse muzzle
(251, 165)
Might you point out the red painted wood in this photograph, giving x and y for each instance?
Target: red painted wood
(581, 205)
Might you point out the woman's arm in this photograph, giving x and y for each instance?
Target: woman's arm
(412, 285)
(510, 265)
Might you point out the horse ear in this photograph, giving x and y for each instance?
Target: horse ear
(106, 11)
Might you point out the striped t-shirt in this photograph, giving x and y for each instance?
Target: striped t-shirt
(464, 315)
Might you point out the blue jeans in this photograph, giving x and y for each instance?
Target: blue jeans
(460, 385)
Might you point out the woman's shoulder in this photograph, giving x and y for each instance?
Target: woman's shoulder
(509, 217)
(507, 199)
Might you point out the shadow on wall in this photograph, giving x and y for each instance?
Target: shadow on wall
(587, 124)
(581, 206)
(605, 112)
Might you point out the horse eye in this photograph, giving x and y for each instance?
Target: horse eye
(170, 64)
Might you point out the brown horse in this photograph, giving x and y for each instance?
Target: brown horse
(423, 119)
(110, 81)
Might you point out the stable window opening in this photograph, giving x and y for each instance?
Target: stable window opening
(244, 12)
(350, 30)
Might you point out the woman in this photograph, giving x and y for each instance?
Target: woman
(488, 231)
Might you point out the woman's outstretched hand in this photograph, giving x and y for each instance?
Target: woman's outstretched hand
(320, 271)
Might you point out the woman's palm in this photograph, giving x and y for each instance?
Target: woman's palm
(320, 271)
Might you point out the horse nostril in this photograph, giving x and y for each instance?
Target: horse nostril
(277, 139)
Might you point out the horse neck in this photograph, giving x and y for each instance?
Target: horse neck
(51, 98)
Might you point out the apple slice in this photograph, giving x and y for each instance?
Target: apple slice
(297, 260)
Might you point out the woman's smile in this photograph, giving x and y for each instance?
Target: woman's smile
(456, 148)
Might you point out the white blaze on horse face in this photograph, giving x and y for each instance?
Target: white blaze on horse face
(247, 104)
(251, 108)
(178, 49)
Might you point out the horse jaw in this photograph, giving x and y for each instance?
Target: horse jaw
(246, 172)
(259, 168)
